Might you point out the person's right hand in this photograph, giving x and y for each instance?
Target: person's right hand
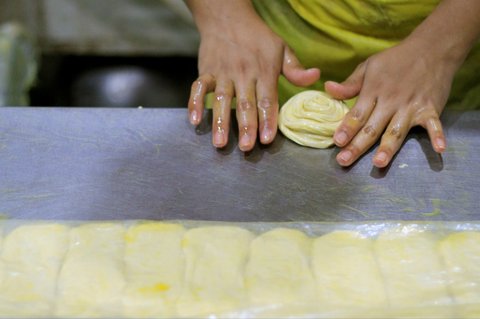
(240, 56)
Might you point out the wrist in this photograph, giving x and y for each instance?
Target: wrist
(450, 31)
(441, 50)
(215, 15)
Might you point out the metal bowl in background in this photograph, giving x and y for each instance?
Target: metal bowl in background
(127, 86)
(99, 81)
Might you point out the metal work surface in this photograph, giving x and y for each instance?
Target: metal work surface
(90, 164)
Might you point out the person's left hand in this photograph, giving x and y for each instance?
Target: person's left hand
(401, 87)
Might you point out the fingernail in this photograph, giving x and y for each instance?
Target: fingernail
(381, 157)
(341, 138)
(218, 139)
(194, 117)
(266, 135)
(244, 141)
(345, 156)
(440, 144)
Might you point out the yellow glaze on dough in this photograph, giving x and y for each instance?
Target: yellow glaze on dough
(161, 270)
(278, 274)
(215, 263)
(414, 273)
(310, 118)
(154, 268)
(91, 281)
(461, 254)
(30, 259)
(347, 275)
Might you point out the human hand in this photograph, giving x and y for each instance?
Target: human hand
(242, 57)
(399, 88)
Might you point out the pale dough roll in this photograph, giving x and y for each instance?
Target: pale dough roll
(414, 274)
(215, 258)
(91, 280)
(278, 275)
(154, 269)
(310, 118)
(348, 278)
(30, 261)
(461, 255)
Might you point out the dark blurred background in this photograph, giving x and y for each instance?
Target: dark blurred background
(109, 53)
(112, 81)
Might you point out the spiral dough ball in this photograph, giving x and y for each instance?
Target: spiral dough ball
(310, 118)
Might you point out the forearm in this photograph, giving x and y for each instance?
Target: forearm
(214, 14)
(451, 30)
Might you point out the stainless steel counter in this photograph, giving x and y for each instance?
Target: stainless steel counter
(151, 164)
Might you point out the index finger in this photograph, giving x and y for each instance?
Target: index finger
(203, 85)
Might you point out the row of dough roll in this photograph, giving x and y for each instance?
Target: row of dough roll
(158, 270)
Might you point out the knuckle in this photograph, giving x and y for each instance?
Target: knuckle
(246, 129)
(265, 104)
(374, 63)
(220, 122)
(424, 109)
(429, 103)
(356, 116)
(196, 102)
(244, 105)
(267, 68)
(244, 66)
(197, 86)
(370, 131)
(389, 141)
(222, 95)
(427, 119)
(395, 132)
(197, 83)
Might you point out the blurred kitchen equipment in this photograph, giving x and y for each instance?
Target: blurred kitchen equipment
(107, 27)
(18, 65)
(113, 53)
(127, 86)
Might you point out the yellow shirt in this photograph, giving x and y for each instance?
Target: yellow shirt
(337, 35)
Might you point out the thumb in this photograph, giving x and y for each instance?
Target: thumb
(348, 88)
(295, 72)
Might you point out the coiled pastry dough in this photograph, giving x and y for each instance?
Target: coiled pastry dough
(310, 118)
